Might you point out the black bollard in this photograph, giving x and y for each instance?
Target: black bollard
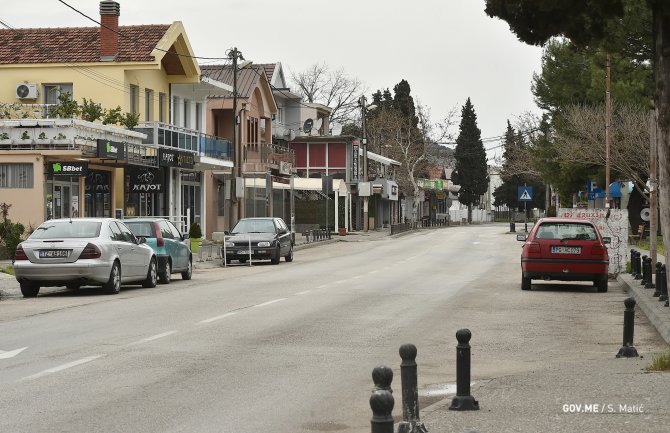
(382, 377)
(632, 263)
(512, 227)
(662, 280)
(381, 403)
(628, 350)
(638, 265)
(463, 400)
(644, 271)
(410, 392)
(657, 292)
(649, 284)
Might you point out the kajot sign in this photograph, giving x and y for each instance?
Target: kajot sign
(145, 180)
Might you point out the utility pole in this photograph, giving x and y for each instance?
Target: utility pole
(653, 206)
(235, 55)
(608, 132)
(364, 113)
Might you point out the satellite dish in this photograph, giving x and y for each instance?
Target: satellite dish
(645, 214)
(318, 124)
(307, 127)
(337, 129)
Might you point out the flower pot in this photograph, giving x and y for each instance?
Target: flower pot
(342, 231)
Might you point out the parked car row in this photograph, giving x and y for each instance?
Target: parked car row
(107, 252)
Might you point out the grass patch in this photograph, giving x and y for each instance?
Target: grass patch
(660, 248)
(8, 270)
(660, 363)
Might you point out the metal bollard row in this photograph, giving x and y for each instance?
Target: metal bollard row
(638, 265)
(662, 280)
(657, 292)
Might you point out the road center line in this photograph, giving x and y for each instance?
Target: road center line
(357, 277)
(322, 286)
(152, 338)
(63, 367)
(304, 292)
(373, 272)
(222, 316)
(270, 302)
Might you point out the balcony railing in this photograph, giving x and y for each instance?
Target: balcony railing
(269, 157)
(163, 134)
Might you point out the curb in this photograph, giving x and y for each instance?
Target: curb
(658, 315)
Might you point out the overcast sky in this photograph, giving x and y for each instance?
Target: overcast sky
(448, 50)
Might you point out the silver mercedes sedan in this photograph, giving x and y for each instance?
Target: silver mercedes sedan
(83, 251)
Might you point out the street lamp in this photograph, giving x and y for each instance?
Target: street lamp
(364, 139)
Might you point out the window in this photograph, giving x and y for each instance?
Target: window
(51, 94)
(116, 233)
(128, 236)
(134, 99)
(187, 113)
(165, 230)
(16, 175)
(148, 104)
(280, 115)
(175, 110)
(161, 107)
(59, 230)
(175, 232)
(198, 116)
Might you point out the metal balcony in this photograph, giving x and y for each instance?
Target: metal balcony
(164, 134)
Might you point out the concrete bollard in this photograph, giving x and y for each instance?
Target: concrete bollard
(381, 401)
(463, 400)
(657, 292)
(410, 392)
(662, 280)
(628, 350)
(638, 265)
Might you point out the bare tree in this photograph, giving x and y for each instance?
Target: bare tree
(583, 140)
(318, 84)
(408, 144)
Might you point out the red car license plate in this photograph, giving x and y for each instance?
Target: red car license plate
(557, 249)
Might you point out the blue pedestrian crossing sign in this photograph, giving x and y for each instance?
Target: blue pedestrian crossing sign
(525, 193)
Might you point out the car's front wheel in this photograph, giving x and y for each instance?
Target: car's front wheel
(186, 275)
(275, 257)
(29, 289)
(166, 274)
(289, 256)
(113, 285)
(525, 283)
(152, 275)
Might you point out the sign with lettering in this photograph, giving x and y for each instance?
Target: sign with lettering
(175, 158)
(67, 168)
(111, 149)
(145, 180)
(354, 163)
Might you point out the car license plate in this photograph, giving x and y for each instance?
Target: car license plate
(556, 249)
(243, 253)
(53, 254)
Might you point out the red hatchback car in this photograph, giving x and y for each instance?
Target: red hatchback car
(564, 249)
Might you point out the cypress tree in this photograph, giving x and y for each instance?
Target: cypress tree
(471, 171)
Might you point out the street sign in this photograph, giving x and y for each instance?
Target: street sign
(525, 193)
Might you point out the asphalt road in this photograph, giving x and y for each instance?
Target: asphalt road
(287, 348)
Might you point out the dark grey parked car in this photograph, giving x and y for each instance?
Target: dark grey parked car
(259, 238)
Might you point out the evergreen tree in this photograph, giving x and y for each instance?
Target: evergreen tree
(403, 102)
(471, 171)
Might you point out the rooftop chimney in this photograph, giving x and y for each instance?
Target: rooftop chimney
(109, 38)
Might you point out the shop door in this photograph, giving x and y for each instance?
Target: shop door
(61, 202)
(98, 197)
(191, 200)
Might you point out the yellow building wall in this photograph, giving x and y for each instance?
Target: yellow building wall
(107, 84)
(28, 204)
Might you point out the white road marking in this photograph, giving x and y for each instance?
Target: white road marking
(304, 292)
(373, 272)
(270, 302)
(476, 243)
(63, 367)
(154, 337)
(340, 281)
(322, 286)
(357, 277)
(213, 319)
(11, 353)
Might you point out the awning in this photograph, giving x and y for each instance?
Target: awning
(208, 163)
(304, 184)
(382, 159)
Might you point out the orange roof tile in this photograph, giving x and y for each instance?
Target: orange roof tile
(76, 44)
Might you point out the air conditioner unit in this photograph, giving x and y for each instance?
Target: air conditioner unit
(26, 91)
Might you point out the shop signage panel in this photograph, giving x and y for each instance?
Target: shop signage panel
(175, 158)
(145, 180)
(67, 168)
(354, 163)
(111, 149)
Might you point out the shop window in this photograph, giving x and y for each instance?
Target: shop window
(16, 175)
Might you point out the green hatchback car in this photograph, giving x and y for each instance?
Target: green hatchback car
(172, 247)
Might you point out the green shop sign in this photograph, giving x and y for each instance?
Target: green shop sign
(67, 168)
